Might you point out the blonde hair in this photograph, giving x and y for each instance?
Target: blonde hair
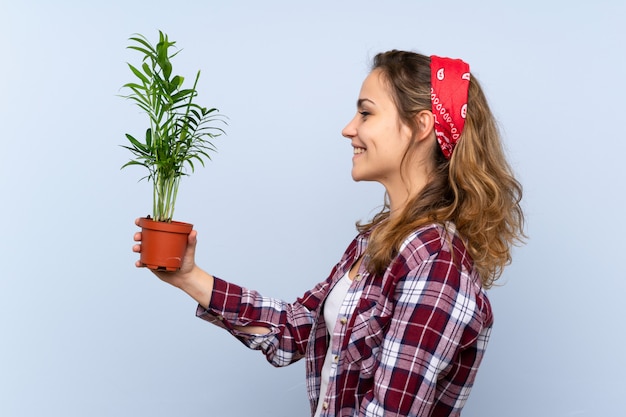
(475, 189)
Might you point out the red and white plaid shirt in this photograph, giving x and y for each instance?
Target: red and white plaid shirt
(407, 343)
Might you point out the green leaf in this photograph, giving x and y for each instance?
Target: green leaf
(146, 52)
(148, 138)
(129, 163)
(146, 69)
(137, 144)
(140, 39)
(176, 82)
(138, 74)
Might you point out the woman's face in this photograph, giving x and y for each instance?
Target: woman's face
(378, 137)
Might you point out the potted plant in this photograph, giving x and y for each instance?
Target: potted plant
(179, 134)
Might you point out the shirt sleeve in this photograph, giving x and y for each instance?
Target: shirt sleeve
(434, 324)
(289, 323)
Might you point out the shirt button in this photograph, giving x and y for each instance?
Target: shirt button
(357, 277)
(325, 405)
(336, 358)
(343, 320)
(220, 318)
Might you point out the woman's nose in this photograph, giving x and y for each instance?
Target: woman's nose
(350, 130)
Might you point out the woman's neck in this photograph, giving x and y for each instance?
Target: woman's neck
(400, 196)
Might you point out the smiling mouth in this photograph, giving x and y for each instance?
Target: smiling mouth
(358, 150)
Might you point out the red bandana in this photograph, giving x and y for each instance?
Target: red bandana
(448, 94)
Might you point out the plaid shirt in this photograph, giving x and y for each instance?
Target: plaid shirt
(407, 343)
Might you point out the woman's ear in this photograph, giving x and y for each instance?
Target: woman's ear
(425, 121)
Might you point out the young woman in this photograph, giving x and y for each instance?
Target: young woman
(400, 326)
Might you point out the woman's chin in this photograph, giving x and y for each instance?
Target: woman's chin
(359, 176)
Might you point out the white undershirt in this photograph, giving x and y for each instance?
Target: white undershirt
(331, 312)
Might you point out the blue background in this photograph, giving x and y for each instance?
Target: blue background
(85, 333)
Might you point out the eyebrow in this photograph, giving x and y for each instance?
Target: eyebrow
(360, 101)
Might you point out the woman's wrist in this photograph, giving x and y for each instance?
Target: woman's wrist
(198, 284)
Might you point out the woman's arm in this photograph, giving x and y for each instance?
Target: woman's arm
(191, 279)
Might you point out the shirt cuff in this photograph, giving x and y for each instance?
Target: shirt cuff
(225, 301)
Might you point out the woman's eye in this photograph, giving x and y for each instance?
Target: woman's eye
(364, 113)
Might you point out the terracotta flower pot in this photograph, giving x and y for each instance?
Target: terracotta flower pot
(163, 244)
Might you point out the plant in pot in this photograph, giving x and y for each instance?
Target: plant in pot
(179, 134)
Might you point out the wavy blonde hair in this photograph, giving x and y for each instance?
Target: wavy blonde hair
(475, 189)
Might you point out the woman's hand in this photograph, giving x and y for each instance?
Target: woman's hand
(189, 278)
